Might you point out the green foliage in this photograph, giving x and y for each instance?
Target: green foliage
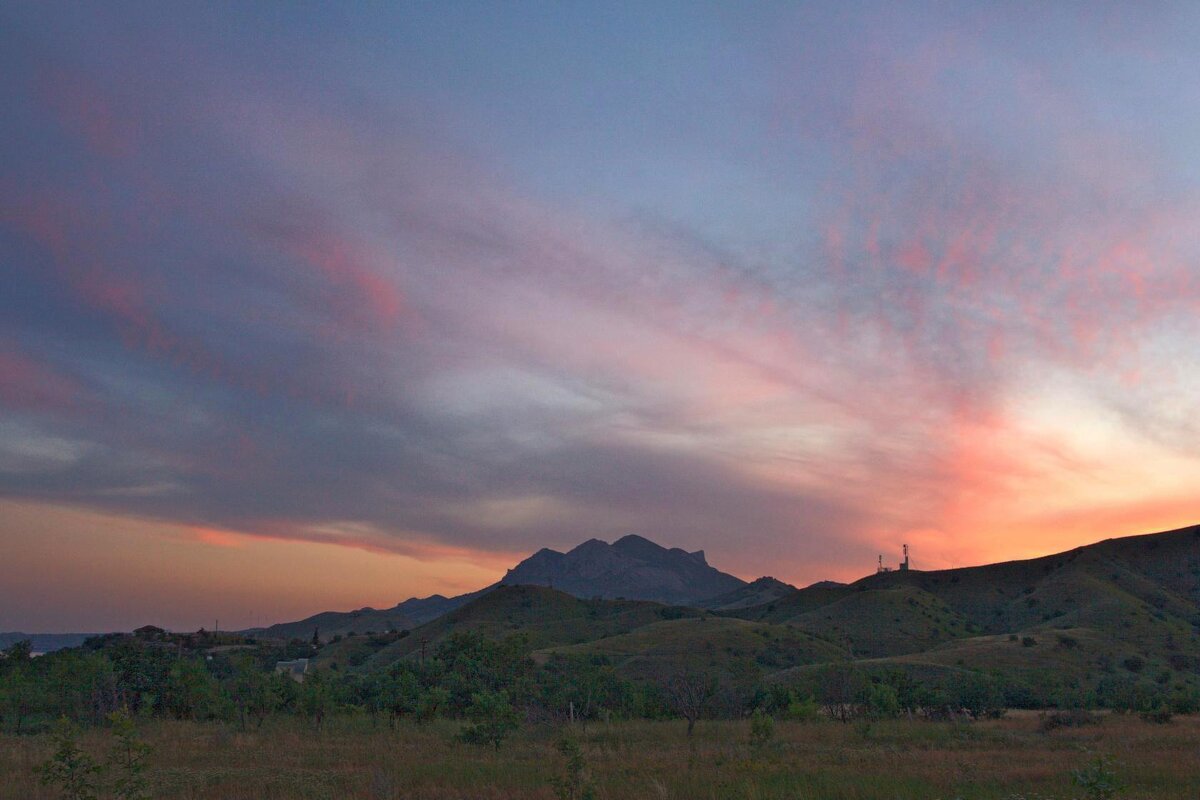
(802, 708)
(431, 702)
(16, 654)
(582, 688)
(1160, 714)
(18, 696)
(466, 663)
(70, 769)
(128, 759)
(877, 700)
(493, 719)
(574, 783)
(255, 694)
(1098, 778)
(188, 691)
(316, 698)
(762, 729)
(399, 693)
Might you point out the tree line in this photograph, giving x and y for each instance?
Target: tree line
(494, 685)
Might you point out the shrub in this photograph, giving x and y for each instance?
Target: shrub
(1134, 663)
(574, 783)
(1074, 718)
(1028, 641)
(494, 719)
(762, 728)
(803, 709)
(1160, 714)
(1098, 779)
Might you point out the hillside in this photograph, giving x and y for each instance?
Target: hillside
(544, 617)
(760, 592)
(631, 568)
(44, 642)
(723, 645)
(327, 624)
(1124, 608)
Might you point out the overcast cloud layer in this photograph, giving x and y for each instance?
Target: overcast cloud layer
(456, 283)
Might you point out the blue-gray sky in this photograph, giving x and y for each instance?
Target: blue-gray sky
(313, 306)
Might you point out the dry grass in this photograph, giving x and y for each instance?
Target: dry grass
(826, 761)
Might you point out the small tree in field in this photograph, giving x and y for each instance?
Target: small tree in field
(71, 769)
(316, 698)
(762, 729)
(494, 719)
(690, 694)
(574, 783)
(253, 692)
(128, 759)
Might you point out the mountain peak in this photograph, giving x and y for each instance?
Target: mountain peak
(632, 567)
(633, 541)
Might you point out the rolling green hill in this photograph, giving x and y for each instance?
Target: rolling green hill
(545, 617)
(1123, 609)
(719, 644)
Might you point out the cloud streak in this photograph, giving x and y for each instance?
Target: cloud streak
(331, 310)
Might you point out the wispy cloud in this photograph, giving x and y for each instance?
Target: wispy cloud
(316, 307)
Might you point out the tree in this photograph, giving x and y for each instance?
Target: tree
(253, 692)
(690, 694)
(431, 702)
(71, 769)
(128, 759)
(17, 653)
(316, 697)
(840, 692)
(494, 719)
(399, 693)
(574, 783)
(19, 693)
(188, 691)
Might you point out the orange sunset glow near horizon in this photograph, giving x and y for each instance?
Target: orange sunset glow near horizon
(316, 312)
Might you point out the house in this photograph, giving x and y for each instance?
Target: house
(294, 669)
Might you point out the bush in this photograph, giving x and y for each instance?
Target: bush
(494, 719)
(762, 728)
(879, 701)
(574, 783)
(1134, 663)
(1098, 779)
(1028, 641)
(1074, 718)
(1159, 715)
(802, 709)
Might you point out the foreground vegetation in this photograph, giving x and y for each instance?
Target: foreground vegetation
(352, 757)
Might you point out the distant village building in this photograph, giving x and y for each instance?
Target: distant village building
(294, 669)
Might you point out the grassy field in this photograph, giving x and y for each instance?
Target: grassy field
(897, 760)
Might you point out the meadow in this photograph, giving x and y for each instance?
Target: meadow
(900, 759)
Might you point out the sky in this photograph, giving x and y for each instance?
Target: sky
(320, 306)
